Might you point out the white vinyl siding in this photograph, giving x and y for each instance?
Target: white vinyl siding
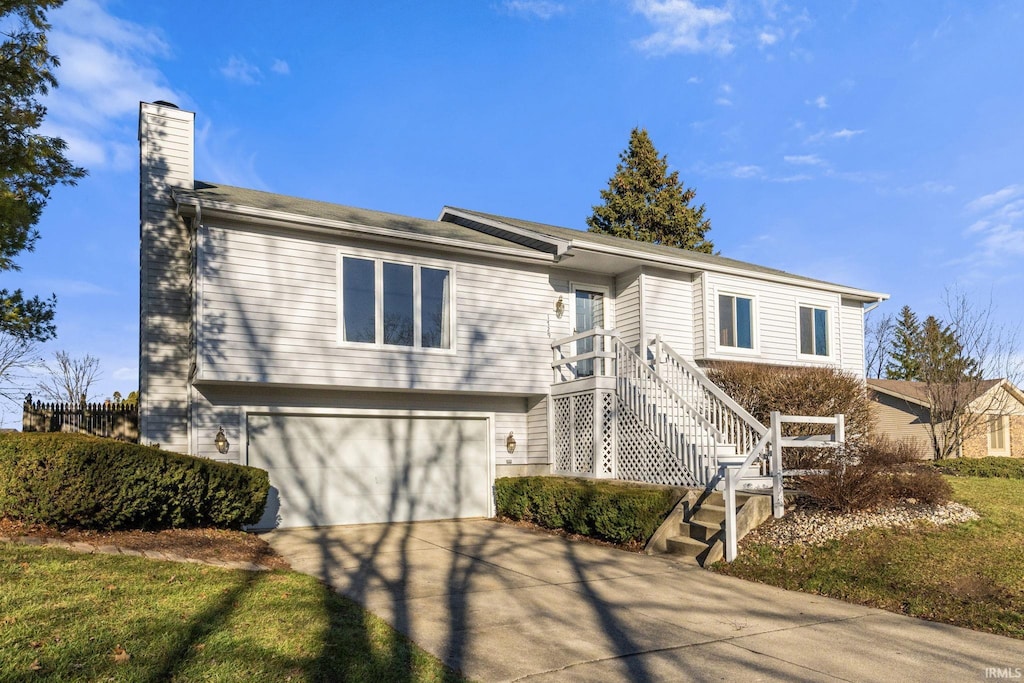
(270, 314)
(851, 336)
(699, 325)
(628, 314)
(776, 323)
(537, 425)
(668, 309)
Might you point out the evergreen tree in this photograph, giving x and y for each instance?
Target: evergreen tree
(942, 355)
(30, 163)
(904, 358)
(645, 202)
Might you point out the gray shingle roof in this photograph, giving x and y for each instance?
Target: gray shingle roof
(709, 260)
(239, 196)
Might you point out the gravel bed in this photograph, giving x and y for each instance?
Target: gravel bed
(816, 527)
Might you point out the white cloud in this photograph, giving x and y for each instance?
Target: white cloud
(723, 101)
(999, 197)
(767, 38)
(126, 373)
(749, 171)
(804, 160)
(842, 134)
(693, 80)
(821, 102)
(64, 287)
(280, 67)
(538, 9)
(241, 70)
(682, 26)
(846, 133)
(107, 67)
(726, 88)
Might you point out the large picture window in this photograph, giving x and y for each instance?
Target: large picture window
(997, 434)
(813, 331)
(735, 321)
(395, 304)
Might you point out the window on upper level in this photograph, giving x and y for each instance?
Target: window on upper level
(395, 304)
(814, 331)
(735, 321)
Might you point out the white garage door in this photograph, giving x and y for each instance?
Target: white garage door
(364, 469)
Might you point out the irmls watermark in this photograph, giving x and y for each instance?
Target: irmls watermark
(1005, 672)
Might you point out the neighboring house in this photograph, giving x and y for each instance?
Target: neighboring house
(902, 411)
(383, 367)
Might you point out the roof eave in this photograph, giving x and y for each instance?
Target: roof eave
(189, 204)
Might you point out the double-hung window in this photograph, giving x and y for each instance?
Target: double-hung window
(735, 321)
(997, 435)
(395, 304)
(814, 331)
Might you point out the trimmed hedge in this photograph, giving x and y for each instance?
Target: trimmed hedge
(74, 480)
(614, 512)
(1004, 468)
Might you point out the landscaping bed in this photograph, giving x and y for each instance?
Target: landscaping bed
(200, 544)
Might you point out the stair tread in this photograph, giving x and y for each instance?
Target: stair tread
(686, 540)
(706, 524)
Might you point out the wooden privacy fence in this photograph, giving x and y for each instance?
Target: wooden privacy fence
(113, 420)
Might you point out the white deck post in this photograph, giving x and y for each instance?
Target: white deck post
(731, 549)
(840, 428)
(778, 501)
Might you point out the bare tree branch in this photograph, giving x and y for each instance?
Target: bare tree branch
(17, 357)
(69, 378)
(878, 335)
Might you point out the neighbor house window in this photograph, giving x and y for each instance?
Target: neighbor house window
(997, 428)
(395, 304)
(735, 321)
(813, 331)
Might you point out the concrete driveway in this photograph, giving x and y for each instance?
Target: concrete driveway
(503, 603)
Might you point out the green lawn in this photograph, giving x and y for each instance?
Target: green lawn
(63, 615)
(970, 575)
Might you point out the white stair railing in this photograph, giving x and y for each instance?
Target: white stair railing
(736, 425)
(678, 426)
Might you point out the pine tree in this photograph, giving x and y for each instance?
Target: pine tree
(645, 202)
(30, 163)
(904, 359)
(942, 355)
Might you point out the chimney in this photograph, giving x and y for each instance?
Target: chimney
(166, 147)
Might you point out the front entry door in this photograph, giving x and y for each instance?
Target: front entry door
(589, 315)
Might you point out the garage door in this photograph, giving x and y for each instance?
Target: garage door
(364, 469)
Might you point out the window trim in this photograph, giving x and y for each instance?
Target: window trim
(830, 339)
(1004, 427)
(755, 337)
(417, 263)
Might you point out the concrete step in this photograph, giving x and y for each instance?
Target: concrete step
(701, 531)
(718, 498)
(708, 513)
(684, 545)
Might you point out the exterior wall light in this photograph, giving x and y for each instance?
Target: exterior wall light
(221, 441)
(510, 443)
(559, 307)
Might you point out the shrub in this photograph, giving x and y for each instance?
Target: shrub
(821, 392)
(613, 512)
(879, 472)
(73, 480)
(1006, 468)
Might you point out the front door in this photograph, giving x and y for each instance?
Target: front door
(589, 315)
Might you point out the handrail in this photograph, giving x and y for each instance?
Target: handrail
(710, 386)
(596, 332)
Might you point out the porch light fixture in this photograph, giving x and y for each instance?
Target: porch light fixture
(510, 443)
(221, 441)
(559, 307)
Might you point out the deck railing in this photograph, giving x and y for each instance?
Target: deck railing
(737, 426)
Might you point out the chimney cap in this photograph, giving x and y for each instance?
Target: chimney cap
(165, 103)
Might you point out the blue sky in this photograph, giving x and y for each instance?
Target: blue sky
(874, 144)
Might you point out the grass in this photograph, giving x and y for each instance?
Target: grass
(73, 617)
(970, 575)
